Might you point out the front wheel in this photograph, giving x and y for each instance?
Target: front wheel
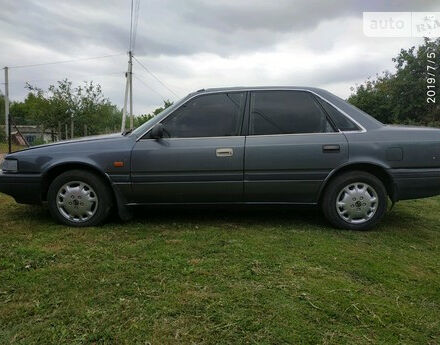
(79, 198)
(355, 200)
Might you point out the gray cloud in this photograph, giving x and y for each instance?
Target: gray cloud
(173, 34)
(170, 27)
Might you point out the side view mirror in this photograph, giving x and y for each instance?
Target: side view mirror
(157, 131)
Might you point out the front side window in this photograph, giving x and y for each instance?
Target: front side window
(286, 112)
(213, 115)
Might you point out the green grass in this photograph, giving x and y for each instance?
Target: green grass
(220, 276)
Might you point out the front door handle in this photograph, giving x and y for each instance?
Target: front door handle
(224, 152)
(331, 148)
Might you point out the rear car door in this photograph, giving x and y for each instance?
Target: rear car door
(201, 158)
(291, 148)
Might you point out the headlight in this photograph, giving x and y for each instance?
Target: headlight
(10, 165)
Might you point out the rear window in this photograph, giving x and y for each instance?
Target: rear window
(341, 121)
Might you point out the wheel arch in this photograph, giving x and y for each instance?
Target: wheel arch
(60, 168)
(377, 170)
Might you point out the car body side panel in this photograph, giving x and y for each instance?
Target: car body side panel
(187, 170)
(98, 155)
(290, 168)
(409, 155)
(397, 147)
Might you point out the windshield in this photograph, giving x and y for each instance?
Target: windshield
(142, 128)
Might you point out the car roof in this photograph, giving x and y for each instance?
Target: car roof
(256, 88)
(364, 120)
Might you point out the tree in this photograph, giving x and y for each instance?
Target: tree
(63, 104)
(400, 97)
(56, 107)
(139, 120)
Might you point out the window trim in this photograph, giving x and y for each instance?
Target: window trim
(249, 90)
(242, 116)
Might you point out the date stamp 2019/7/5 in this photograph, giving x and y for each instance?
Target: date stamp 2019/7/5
(431, 69)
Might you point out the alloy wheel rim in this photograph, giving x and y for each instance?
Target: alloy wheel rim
(77, 201)
(357, 203)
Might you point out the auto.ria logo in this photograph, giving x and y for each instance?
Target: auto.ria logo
(401, 24)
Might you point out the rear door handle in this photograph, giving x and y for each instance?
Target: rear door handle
(224, 152)
(331, 148)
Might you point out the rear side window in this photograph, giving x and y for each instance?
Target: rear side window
(286, 112)
(341, 121)
(213, 115)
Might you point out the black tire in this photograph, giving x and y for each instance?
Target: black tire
(100, 188)
(337, 184)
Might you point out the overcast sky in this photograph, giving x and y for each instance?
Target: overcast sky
(194, 44)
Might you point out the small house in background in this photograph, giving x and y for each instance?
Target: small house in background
(33, 134)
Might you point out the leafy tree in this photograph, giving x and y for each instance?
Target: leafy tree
(139, 120)
(54, 109)
(63, 104)
(400, 97)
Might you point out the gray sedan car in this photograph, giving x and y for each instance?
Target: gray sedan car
(267, 145)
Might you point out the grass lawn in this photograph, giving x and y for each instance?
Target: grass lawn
(227, 276)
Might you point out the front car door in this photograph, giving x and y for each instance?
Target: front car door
(291, 148)
(201, 158)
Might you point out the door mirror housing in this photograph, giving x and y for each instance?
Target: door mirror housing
(157, 131)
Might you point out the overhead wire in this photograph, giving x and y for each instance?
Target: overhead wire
(65, 77)
(149, 87)
(155, 77)
(134, 18)
(66, 61)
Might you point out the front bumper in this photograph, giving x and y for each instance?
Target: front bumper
(24, 188)
(415, 183)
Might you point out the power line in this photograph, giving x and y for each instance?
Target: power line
(68, 77)
(67, 61)
(149, 87)
(155, 77)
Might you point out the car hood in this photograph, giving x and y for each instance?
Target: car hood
(78, 140)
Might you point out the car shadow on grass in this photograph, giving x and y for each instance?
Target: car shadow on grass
(272, 216)
(269, 216)
(263, 216)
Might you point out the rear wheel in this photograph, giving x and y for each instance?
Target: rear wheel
(355, 200)
(79, 198)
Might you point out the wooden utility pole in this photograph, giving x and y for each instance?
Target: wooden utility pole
(7, 117)
(130, 75)
(128, 89)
